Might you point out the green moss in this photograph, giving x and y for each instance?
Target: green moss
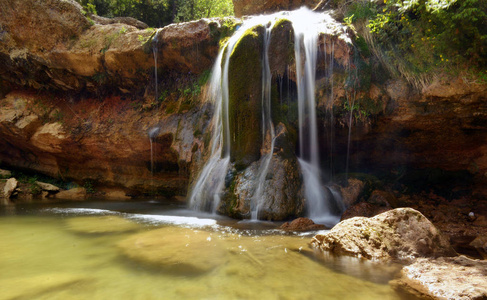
(245, 90)
(362, 46)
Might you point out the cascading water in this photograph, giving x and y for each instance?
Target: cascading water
(206, 192)
(267, 128)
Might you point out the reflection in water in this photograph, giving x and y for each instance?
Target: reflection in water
(46, 255)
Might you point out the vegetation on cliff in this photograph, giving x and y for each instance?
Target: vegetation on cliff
(422, 37)
(159, 13)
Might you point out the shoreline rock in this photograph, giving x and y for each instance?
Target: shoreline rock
(459, 278)
(401, 234)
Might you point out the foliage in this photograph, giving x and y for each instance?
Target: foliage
(89, 186)
(158, 13)
(196, 9)
(424, 36)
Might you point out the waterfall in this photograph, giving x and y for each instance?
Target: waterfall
(207, 189)
(267, 128)
(307, 26)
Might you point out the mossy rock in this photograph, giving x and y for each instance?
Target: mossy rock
(245, 95)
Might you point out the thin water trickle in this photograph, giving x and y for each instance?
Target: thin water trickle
(153, 132)
(267, 126)
(155, 52)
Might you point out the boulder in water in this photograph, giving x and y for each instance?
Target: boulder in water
(175, 249)
(401, 234)
(301, 224)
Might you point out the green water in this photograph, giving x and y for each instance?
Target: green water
(46, 256)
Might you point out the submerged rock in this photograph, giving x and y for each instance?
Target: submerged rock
(99, 225)
(402, 234)
(38, 285)
(301, 224)
(176, 250)
(459, 278)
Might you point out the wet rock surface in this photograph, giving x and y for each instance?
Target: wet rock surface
(281, 195)
(301, 224)
(399, 234)
(175, 250)
(444, 278)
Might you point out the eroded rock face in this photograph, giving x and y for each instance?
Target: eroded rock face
(51, 44)
(104, 142)
(445, 278)
(402, 234)
(256, 7)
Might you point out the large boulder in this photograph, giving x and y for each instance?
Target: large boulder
(401, 234)
(458, 278)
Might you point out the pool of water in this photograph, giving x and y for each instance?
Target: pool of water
(153, 250)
